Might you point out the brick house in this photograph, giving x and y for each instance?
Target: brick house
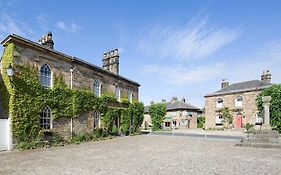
(76, 73)
(239, 98)
(179, 114)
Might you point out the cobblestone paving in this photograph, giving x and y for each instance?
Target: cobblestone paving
(144, 155)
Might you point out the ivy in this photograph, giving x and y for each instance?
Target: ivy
(157, 112)
(275, 105)
(24, 96)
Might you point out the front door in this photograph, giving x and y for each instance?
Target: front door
(238, 122)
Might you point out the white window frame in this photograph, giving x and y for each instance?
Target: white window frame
(238, 101)
(219, 119)
(130, 95)
(97, 87)
(46, 76)
(46, 115)
(118, 93)
(219, 103)
(258, 120)
(96, 118)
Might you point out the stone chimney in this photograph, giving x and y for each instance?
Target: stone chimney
(47, 40)
(266, 76)
(224, 83)
(174, 99)
(110, 61)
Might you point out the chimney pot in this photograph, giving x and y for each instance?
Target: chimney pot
(266, 76)
(224, 83)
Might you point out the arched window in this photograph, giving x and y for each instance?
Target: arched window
(45, 76)
(219, 103)
(117, 93)
(96, 119)
(238, 101)
(97, 87)
(46, 118)
(130, 95)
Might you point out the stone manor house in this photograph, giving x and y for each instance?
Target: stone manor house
(76, 73)
(240, 98)
(179, 114)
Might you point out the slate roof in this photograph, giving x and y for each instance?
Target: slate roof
(72, 58)
(176, 106)
(241, 87)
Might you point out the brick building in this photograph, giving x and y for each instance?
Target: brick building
(239, 98)
(179, 114)
(76, 73)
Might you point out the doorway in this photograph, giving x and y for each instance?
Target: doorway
(238, 121)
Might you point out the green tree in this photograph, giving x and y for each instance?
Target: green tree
(157, 112)
(275, 105)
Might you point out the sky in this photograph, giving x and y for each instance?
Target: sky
(173, 48)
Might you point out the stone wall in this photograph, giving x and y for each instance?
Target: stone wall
(180, 116)
(83, 75)
(248, 109)
(184, 119)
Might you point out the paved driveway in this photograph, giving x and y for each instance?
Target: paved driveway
(144, 155)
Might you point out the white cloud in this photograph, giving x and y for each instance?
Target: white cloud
(198, 39)
(179, 75)
(72, 27)
(9, 25)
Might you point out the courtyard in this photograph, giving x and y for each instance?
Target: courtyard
(145, 154)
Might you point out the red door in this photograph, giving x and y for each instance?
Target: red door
(238, 121)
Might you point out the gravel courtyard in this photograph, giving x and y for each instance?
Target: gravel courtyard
(144, 155)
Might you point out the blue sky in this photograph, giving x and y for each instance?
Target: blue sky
(171, 47)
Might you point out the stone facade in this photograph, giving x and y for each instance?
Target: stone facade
(179, 114)
(76, 74)
(239, 98)
(248, 108)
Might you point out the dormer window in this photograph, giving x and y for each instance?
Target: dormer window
(238, 101)
(219, 103)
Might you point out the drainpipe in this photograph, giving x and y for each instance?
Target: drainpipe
(71, 86)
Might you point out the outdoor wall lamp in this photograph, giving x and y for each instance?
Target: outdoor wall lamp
(10, 70)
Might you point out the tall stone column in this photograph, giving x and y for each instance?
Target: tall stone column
(266, 104)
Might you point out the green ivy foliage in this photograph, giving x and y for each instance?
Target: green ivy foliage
(157, 112)
(275, 105)
(26, 97)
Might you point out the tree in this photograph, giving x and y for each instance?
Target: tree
(227, 116)
(157, 112)
(275, 105)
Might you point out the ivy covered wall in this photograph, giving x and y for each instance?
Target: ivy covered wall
(24, 97)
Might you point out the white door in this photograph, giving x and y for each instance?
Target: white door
(4, 134)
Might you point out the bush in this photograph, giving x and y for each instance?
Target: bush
(157, 112)
(114, 130)
(200, 122)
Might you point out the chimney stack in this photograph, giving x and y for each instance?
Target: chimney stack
(183, 99)
(110, 61)
(174, 99)
(47, 40)
(266, 76)
(224, 83)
